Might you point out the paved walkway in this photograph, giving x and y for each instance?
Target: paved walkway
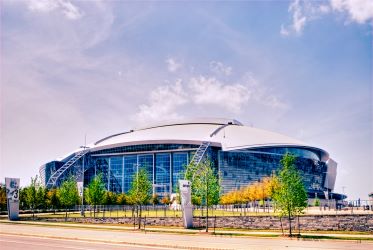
(113, 235)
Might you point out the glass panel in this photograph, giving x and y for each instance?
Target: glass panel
(162, 174)
(146, 161)
(179, 163)
(116, 176)
(242, 168)
(129, 169)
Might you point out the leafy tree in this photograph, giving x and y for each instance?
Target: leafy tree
(290, 196)
(166, 200)
(41, 192)
(122, 199)
(205, 183)
(110, 198)
(140, 192)
(95, 192)
(32, 194)
(155, 199)
(68, 193)
(23, 204)
(52, 200)
(2, 197)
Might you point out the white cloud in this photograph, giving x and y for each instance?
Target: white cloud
(205, 93)
(324, 9)
(164, 101)
(302, 12)
(220, 68)
(299, 20)
(211, 91)
(69, 10)
(173, 65)
(284, 31)
(360, 11)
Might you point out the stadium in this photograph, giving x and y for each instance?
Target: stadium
(240, 155)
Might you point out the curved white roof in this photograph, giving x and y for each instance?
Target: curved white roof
(228, 134)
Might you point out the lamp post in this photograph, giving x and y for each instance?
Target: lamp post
(84, 148)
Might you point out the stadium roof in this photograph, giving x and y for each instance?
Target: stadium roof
(229, 134)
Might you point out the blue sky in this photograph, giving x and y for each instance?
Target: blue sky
(301, 68)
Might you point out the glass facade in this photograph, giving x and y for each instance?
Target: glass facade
(146, 162)
(179, 163)
(167, 164)
(162, 173)
(116, 169)
(239, 169)
(129, 170)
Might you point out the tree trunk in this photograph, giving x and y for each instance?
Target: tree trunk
(289, 224)
(65, 214)
(282, 228)
(139, 215)
(298, 226)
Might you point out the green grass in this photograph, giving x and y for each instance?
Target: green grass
(149, 213)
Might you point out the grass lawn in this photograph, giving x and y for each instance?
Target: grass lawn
(152, 213)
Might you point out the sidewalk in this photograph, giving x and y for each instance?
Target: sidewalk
(174, 230)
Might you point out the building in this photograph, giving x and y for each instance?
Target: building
(240, 154)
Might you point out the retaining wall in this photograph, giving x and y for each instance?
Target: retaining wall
(308, 222)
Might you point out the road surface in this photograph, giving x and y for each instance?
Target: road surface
(84, 238)
(16, 242)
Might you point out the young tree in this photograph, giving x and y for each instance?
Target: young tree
(2, 197)
(155, 199)
(68, 194)
(141, 188)
(32, 194)
(205, 183)
(52, 200)
(95, 192)
(122, 199)
(290, 196)
(110, 198)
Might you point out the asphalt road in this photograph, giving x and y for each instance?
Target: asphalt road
(16, 242)
(12, 236)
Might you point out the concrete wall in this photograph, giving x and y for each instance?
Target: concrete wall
(314, 222)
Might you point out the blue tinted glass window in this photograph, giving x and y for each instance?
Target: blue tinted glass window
(179, 163)
(129, 171)
(146, 162)
(116, 176)
(162, 173)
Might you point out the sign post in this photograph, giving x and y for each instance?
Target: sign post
(186, 203)
(12, 195)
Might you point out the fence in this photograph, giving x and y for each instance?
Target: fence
(247, 209)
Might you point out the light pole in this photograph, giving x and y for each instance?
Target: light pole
(84, 148)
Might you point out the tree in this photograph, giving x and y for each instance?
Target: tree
(95, 192)
(32, 194)
(205, 185)
(166, 200)
(2, 197)
(52, 200)
(68, 194)
(290, 196)
(122, 199)
(155, 199)
(110, 198)
(140, 191)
